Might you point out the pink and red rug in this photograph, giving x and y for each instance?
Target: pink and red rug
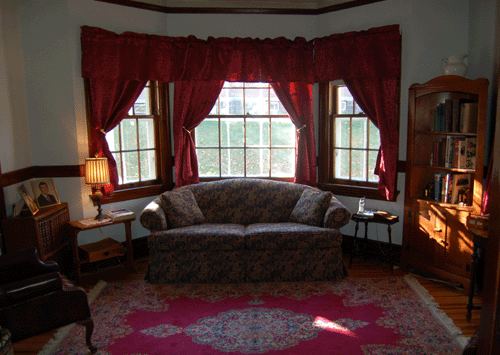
(355, 316)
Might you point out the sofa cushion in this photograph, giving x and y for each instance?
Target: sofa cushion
(311, 207)
(206, 236)
(181, 208)
(288, 235)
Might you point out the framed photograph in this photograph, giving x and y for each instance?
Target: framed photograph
(28, 200)
(45, 193)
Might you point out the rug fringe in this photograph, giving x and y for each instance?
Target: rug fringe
(62, 332)
(433, 306)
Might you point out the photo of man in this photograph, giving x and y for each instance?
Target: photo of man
(45, 198)
(45, 192)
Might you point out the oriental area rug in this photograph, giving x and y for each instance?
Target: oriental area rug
(355, 316)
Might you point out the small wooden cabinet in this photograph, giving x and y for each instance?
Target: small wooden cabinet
(46, 231)
(435, 236)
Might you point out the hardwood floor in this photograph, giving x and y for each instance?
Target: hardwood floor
(452, 301)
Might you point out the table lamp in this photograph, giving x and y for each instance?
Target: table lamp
(97, 175)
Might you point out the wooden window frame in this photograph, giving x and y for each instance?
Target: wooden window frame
(326, 177)
(164, 181)
(244, 117)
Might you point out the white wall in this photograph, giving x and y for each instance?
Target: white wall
(48, 32)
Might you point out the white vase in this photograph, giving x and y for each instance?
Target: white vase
(454, 65)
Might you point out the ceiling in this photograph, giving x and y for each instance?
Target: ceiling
(307, 7)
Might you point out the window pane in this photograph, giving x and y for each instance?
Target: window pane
(232, 132)
(232, 162)
(342, 132)
(142, 104)
(235, 101)
(342, 163)
(207, 133)
(130, 167)
(256, 102)
(358, 168)
(257, 132)
(345, 101)
(215, 109)
(258, 162)
(282, 162)
(113, 139)
(357, 109)
(208, 162)
(374, 136)
(372, 155)
(359, 133)
(148, 164)
(118, 159)
(146, 133)
(277, 107)
(282, 132)
(129, 134)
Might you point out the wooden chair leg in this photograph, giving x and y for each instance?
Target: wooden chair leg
(89, 328)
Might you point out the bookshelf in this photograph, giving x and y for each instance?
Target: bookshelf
(444, 174)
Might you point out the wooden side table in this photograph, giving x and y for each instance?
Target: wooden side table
(105, 246)
(378, 217)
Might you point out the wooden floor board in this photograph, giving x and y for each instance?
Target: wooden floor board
(451, 300)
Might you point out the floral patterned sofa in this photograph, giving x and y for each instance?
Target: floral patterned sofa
(244, 230)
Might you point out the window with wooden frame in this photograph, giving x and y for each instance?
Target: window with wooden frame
(248, 133)
(141, 146)
(349, 144)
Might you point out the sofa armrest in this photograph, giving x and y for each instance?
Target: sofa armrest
(337, 215)
(153, 217)
(22, 290)
(23, 264)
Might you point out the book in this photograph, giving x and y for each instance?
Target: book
(438, 184)
(468, 117)
(460, 188)
(461, 154)
(470, 153)
(120, 215)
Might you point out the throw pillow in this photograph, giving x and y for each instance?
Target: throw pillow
(311, 207)
(181, 208)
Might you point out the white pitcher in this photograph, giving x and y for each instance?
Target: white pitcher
(454, 65)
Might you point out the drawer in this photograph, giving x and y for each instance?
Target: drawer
(104, 249)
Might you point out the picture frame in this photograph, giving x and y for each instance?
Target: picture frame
(28, 200)
(45, 193)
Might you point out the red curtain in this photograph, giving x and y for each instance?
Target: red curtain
(110, 102)
(297, 99)
(379, 98)
(369, 62)
(485, 205)
(193, 101)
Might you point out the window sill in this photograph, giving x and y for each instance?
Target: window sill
(138, 192)
(371, 193)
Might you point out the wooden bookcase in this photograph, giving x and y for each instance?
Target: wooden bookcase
(46, 230)
(435, 236)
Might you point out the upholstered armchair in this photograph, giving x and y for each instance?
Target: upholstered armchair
(36, 298)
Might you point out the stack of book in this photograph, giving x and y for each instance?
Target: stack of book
(120, 215)
(452, 188)
(455, 115)
(455, 152)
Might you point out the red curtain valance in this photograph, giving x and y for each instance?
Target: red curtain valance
(141, 57)
(375, 53)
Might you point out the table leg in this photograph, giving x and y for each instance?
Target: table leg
(76, 258)
(354, 243)
(366, 240)
(130, 251)
(470, 303)
(390, 248)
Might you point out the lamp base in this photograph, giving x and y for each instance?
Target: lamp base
(97, 198)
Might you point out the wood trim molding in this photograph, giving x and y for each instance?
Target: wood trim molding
(249, 10)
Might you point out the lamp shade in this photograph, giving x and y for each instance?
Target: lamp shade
(96, 171)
